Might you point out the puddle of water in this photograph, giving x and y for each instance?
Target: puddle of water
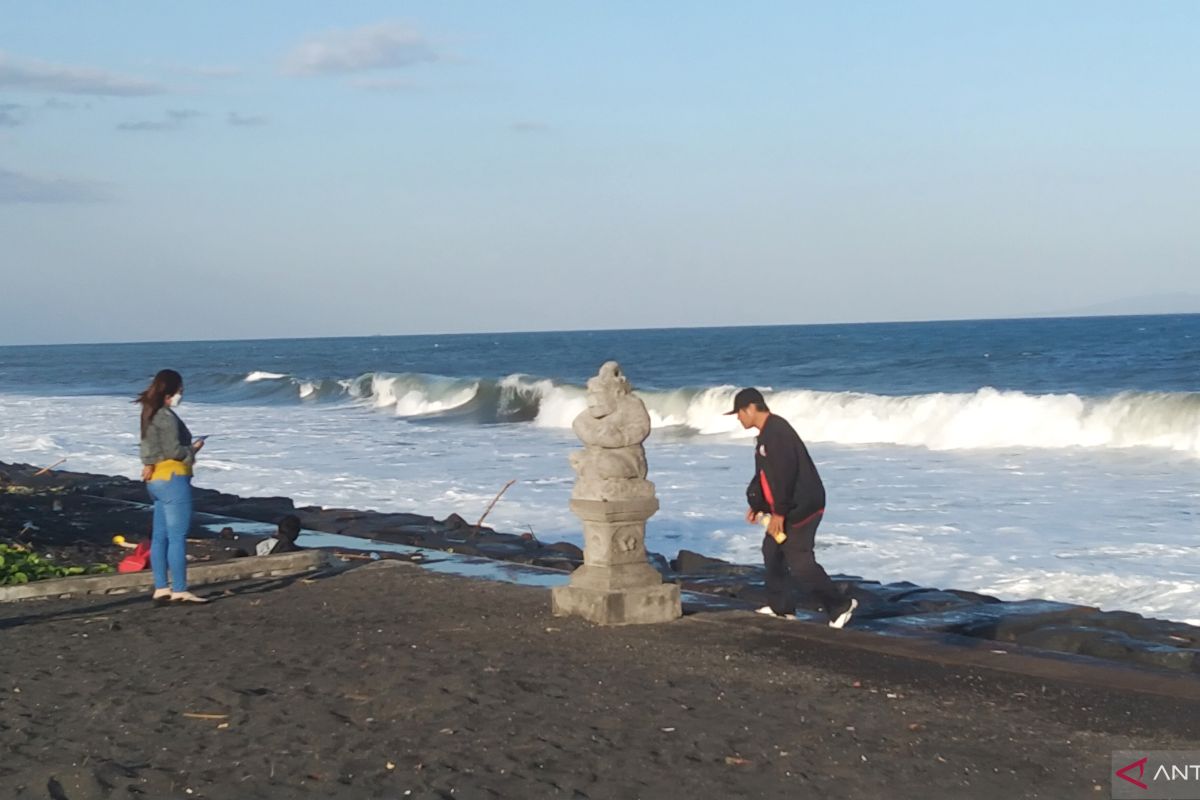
(443, 562)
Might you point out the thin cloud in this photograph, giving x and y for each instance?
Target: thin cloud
(12, 115)
(384, 84)
(41, 76)
(16, 187)
(175, 118)
(385, 45)
(244, 120)
(63, 105)
(216, 71)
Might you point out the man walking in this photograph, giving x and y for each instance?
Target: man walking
(786, 487)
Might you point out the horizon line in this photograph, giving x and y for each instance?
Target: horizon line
(1047, 317)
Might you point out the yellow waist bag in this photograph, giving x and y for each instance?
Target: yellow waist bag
(165, 470)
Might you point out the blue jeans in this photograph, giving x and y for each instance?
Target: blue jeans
(172, 518)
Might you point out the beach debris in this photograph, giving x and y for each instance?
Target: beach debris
(391, 765)
(44, 470)
(737, 761)
(200, 715)
(486, 511)
(667, 730)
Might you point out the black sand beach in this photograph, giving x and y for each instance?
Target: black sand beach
(387, 681)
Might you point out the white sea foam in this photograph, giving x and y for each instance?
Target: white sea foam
(259, 375)
(985, 419)
(416, 395)
(1098, 525)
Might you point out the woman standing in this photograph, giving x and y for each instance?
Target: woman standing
(168, 453)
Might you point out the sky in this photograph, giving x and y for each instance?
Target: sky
(276, 169)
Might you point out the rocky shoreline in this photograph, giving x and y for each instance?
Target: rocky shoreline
(73, 517)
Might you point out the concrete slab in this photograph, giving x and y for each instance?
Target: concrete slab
(198, 575)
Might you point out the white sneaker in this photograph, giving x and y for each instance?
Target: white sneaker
(841, 619)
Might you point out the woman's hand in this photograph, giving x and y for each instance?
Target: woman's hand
(147, 473)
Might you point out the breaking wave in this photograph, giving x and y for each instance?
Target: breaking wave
(986, 418)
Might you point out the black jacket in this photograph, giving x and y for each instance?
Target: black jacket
(794, 488)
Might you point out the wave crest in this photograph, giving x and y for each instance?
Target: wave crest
(987, 418)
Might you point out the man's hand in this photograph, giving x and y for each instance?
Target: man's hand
(752, 516)
(147, 473)
(196, 445)
(775, 528)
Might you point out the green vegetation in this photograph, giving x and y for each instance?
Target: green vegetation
(19, 565)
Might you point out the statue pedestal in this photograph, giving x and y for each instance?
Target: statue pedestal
(616, 585)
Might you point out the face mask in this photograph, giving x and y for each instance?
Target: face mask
(174, 400)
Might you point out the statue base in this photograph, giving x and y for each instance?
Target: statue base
(615, 585)
(634, 606)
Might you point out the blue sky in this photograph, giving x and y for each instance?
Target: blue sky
(198, 171)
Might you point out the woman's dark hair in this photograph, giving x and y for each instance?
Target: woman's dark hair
(166, 383)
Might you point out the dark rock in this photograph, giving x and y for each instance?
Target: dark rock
(973, 597)
(569, 550)
(456, 523)
(982, 620)
(689, 562)
(500, 550)
(555, 563)
(1111, 645)
(660, 563)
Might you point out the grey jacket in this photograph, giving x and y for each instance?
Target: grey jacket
(167, 439)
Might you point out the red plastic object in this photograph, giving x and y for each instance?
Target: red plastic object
(136, 561)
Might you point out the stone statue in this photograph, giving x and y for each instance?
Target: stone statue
(612, 464)
(616, 585)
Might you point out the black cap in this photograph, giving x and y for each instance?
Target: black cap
(746, 397)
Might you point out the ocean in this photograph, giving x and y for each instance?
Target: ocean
(1054, 458)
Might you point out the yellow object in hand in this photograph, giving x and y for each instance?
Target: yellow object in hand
(765, 521)
(118, 539)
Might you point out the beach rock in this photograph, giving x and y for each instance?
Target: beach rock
(456, 523)
(1111, 645)
(567, 550)
(505, 551)
(692, 563)
(553, 562)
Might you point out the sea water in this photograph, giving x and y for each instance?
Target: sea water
(1056, 458)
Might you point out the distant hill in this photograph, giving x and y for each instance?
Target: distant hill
(1174, 303)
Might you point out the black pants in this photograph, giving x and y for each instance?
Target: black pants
(794, 574)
